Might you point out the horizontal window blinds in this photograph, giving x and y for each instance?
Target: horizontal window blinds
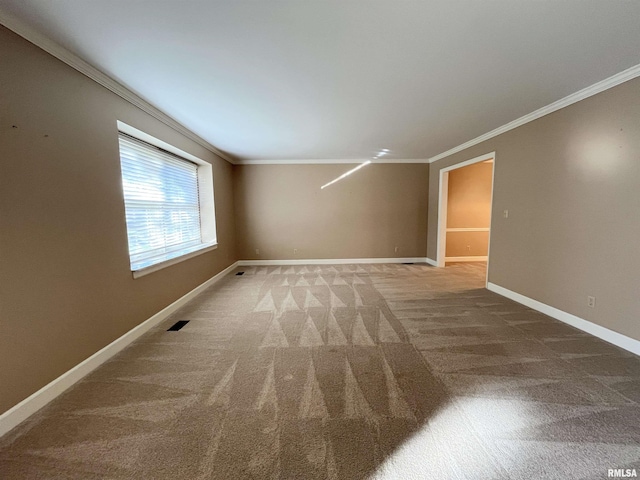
(161, 203)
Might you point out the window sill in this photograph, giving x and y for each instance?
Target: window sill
(207, 247)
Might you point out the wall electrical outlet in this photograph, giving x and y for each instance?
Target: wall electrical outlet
(505, 213)
(591, 302)
(257, 251)
(295, 251)
(396, 249)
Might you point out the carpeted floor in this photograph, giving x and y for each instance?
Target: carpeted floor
(345, 372)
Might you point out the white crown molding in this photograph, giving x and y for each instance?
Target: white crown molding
(30, 405)
(61, 53)
(618, 339)
(328, 161)
(607, 83)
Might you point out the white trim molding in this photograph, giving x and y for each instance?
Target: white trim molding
(443, 202)
(431, 262)
(470, 229)
(30, 405)
(205, 248)
(443, 199)
(599, 331)
(329, 261)
(606, 84)
(63, 54)
(468, 258)
(480, 158)
(71, 59)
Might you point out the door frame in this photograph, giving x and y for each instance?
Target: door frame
(443, 203)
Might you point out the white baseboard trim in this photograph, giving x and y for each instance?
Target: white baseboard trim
(599, 331)
(431, 262)
(472, 258)
(328, 261)
(30, 405)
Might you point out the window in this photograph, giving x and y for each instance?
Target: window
(168, 202)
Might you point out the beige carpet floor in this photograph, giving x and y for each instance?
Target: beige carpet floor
(345, 372)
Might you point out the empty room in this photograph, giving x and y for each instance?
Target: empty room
(319, 239)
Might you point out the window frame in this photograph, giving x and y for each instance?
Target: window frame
(205, 196)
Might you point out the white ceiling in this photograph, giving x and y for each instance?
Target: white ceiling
(325, 79)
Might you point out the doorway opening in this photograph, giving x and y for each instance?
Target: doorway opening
(464, 213)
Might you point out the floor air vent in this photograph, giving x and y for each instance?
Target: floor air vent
(178, 325)
(240, 273)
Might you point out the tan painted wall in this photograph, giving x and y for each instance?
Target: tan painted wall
(65, 285)
(470, 196)
(571, 183)
(469, 206)
(280, 208)
(467, 244)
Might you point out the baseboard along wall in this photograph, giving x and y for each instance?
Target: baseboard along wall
(30, 405)
(330, 261)
(618, 339)
(20, 412)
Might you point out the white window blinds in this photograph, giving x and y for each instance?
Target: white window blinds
(161, 203)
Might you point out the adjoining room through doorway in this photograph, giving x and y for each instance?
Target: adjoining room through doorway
(465, 212)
